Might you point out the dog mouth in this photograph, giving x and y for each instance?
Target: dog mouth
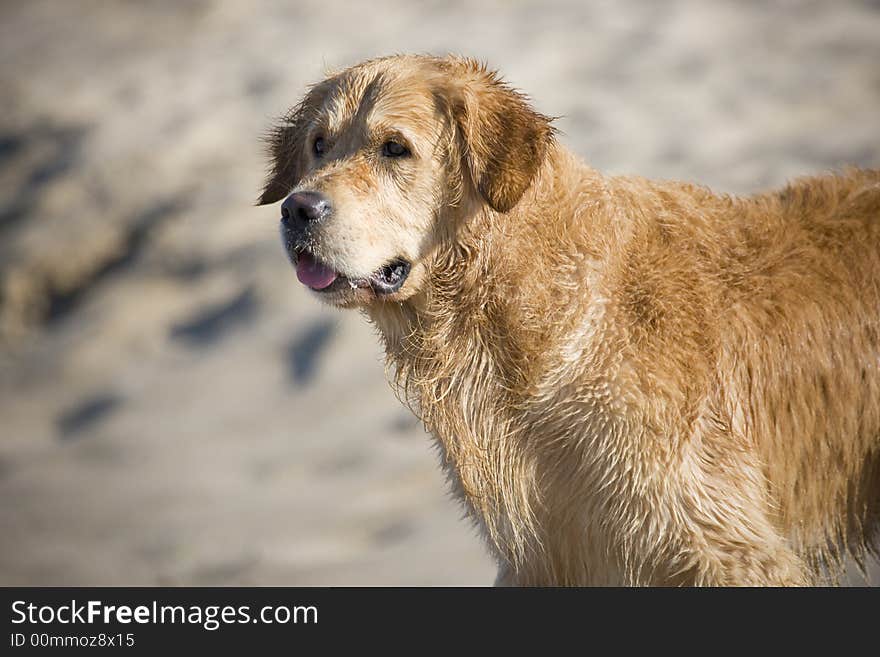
(320, 277)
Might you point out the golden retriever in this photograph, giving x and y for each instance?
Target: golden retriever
(631, 382)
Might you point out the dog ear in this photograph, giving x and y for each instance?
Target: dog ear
(285, 145)
(285, 152)
(505, 140)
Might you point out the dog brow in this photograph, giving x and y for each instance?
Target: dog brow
(354, 97)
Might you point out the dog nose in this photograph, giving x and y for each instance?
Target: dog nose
(302, 208)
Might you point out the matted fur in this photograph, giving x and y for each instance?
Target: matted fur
(630, 382)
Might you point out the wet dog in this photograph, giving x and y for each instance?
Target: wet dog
(631, 382)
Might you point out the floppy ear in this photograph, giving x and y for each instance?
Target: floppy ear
(285, 151)
(505, 140)
(285, 148)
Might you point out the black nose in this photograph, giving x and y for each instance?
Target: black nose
(302, 208)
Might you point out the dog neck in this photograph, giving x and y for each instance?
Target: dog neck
(475, 266)
(457, 351)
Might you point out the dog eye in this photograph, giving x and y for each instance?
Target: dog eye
(319, 146)
(393, 149)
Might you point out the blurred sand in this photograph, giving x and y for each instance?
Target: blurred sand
(173, 408)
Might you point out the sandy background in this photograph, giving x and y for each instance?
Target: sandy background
(173, 408)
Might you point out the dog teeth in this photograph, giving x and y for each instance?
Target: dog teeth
(352, 284)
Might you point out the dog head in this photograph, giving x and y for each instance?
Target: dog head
(379, 164)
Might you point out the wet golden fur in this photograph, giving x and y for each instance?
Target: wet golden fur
(630, 381)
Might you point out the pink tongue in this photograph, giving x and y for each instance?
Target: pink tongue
(312, 273)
